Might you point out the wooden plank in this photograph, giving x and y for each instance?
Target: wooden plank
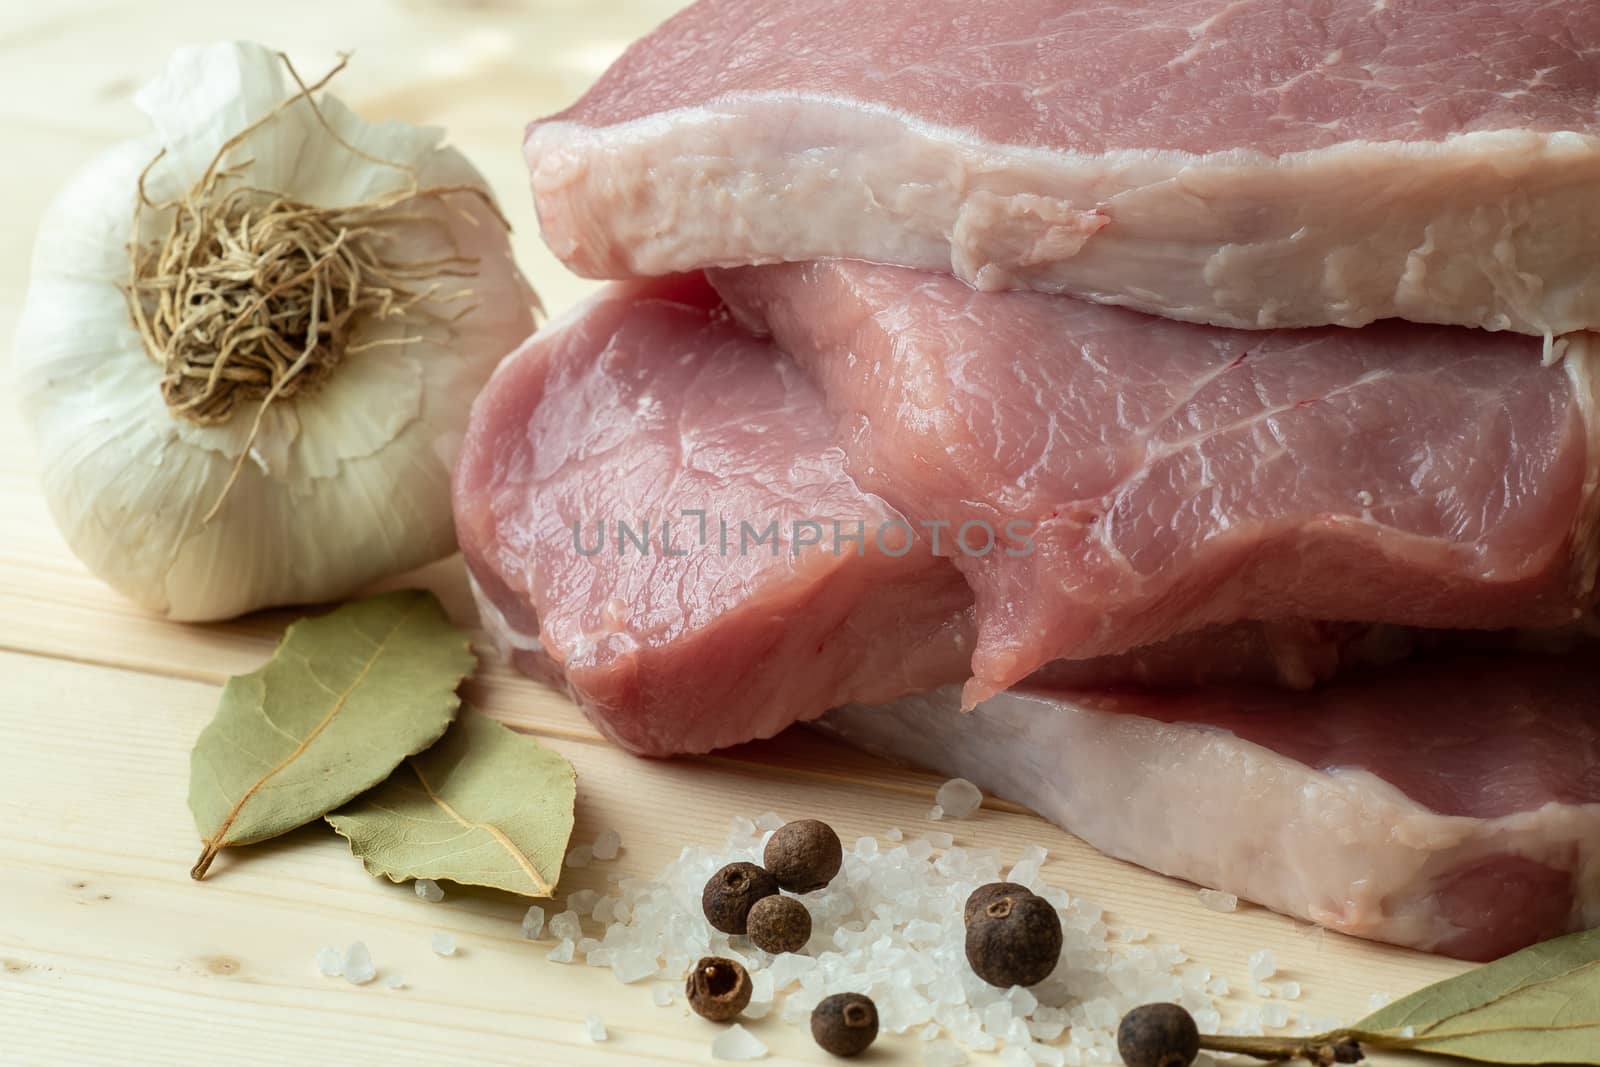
(105, 933)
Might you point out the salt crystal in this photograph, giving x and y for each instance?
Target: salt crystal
(661, 994)
(1408, 1031)
(582, 902)
(787, 969)
(567, 926)
(605, 910)
(997, 1018)
(1208, 1020)
(1262, 964)
(428, 890)
(936, 812)
(606, 846)
(1216, 900)
(769, 820)
(1274, 1015)
(330, 961)
(959, 798)
(1134, 934)
(394, 981)
(894, 834)
(944, 1053)
(444, 945)
(1379, 1000)
(939, 839)
(1289, 991)
(533, 922)
(1023, 1003)
(562, 953)
(595, 1027)
(1015, 1057)
(1217, 986)
(1047, 1056)
(737, 1043)
(635, 965)
(357, 965)
(580, 857)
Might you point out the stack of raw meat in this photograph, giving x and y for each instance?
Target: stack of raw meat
(1194, 388)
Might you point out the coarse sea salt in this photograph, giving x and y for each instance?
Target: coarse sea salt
(1216, 900)
(958, 798)
(606, 846)
(737, 1043)
(595, 1027)
(357, 966)
(889, 925)
(428, 889)
(533, 923)
(444, 945)
(1262, 965)
(944, 1053)
(330, 961)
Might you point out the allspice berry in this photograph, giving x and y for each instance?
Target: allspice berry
(803, 855)
(1014, 939)
(717, 988)
(779, 924)
(845, 1024)
(1158, 1035)
(981, 896)
(731, 892)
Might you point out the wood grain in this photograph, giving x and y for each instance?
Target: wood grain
(108, 952)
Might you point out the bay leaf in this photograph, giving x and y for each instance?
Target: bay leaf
(485, 806)
(345, 698)
(1539, 1005)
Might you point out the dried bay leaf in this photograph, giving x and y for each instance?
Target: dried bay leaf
(485, 806)
(1540, 1005)
(345, 698)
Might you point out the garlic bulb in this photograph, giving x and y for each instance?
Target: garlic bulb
(343, 476)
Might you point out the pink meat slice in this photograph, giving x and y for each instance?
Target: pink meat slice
(640, 408)
(1246, 163)
(648, 406)
(1175, 476)
(1451, 806)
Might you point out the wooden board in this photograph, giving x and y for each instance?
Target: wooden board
(108, 952)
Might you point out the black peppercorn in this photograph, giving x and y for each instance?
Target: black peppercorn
(803, 855)
(981, 896)
(717, 988)
(845, 1023)
(731, 892)
(1014, 939)
(779, 924)
(1158, 1035)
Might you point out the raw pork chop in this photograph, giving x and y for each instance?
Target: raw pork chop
(639, 407)
(1452, 807)
(648, 404)
(1176, 476)
(1247, 163)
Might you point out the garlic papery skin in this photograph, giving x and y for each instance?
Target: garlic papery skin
(343, 484)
